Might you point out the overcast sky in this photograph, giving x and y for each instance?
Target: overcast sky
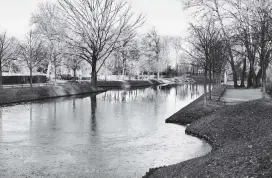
(166, 16)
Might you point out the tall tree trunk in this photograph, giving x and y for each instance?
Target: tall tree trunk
(48, 69)
(93, 112)
(258, 78)
(214, 78)
(10, 64)
(94, 74)
(263, 82)
(251, 76)
(243, 74)
(205, 87)
(231, 61)
(234, 74)
(158, 67)
(210, 84)
(55, 73)
(31, 77)
(74, 71)
(124, 68)
(123, 73)
(1, 77)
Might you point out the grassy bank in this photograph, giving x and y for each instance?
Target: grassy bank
(16, 95)
(195, 110)
(241, 140)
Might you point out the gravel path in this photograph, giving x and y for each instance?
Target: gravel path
(234, 96)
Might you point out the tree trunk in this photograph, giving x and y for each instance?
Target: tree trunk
(263, 82)
(55, 74)
(258, 78)
(1, 77)
(243, 74)
(123, 73)
(74, 71)
(158, 66)
(231, 61)
(205, 87)
(124, 69)
(213, 78)
(10, 67)
(94, 74)
(234, 75)
(31, 77)
(93, 112)
(48, 69)
(250, 79)
(210, 83)
(210, 86)
(225, 77)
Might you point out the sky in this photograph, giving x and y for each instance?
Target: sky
(167, 16)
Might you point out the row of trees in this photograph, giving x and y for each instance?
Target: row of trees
(208, 51)
(101, 33)
(240, 32)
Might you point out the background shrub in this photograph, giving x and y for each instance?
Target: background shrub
(10, 80)
(66, 77)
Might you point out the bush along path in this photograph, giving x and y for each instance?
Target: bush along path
(241, 137)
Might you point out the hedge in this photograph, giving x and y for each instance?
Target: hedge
(10, 80)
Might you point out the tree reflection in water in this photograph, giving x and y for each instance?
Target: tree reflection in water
(93, 112)
(30, 111)
(1, 126)
(109, 132)
(183, 92)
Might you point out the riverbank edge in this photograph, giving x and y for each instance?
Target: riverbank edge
(181, 118)
(10, 96)
(241, 139)
(195, 110)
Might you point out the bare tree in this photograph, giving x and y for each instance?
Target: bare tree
(72, 61)
(127, 57)
(32, 51)
(176, 42)
(98, 27)
(7, 53)
(216, 8)
(152, 46)
(55, 53)
(50, 27)
(205, 50)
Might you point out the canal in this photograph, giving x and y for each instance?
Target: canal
(119, 133)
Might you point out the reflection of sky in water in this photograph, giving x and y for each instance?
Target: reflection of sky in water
(116, 134)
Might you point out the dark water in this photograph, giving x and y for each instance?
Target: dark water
(113, 134)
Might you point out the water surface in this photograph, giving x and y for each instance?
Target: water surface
(114, 134)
